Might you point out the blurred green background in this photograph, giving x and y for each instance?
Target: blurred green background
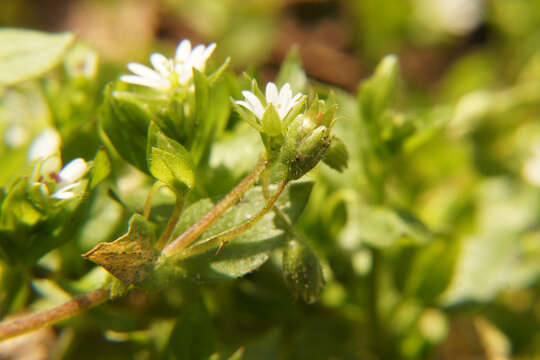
(459, 151)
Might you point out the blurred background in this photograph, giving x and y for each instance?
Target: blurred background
(473, 293)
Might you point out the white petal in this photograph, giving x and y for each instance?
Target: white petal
(196, 58)
(46, 144)
(185, 73)
(63, 195)
(160, 63)
(285, 93)
(209, 51)
(244, 104)
(161, 84)
(271, 93)
(256, 106)
(73, 171)
(64, 192)
(183, 50)
(144, 71)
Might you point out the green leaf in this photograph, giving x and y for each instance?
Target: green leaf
(131, 257)
(376, 93)
(125, 122)
(193, 335)
(381, 227)
(169, 161)
(432, 270)
(292, 71)
(101, 168)
(250, 250)
(26, 54)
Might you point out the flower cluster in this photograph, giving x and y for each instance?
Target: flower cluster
(169, 72)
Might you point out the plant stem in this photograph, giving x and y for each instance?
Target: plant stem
(148, 204)
(24, 324)
(191, 234)
(222, 238)
(175, 215)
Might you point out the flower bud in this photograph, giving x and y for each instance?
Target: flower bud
(337, 155)
(304, 146)
(303, 272)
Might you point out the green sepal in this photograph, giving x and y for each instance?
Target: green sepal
(271, 123)
(101, 168)
(247, 116)
(216, 75)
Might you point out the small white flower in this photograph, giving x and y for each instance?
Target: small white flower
(283, 101)
(68, 179)
(168, 71)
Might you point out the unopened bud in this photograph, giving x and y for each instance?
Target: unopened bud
(337, 155)
(303, 272)
(304, 147)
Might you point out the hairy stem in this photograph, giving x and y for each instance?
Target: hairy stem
(193, 233)
(24, 324)
(148, 204)
(175, 215)
(222, 238)
(279, 213)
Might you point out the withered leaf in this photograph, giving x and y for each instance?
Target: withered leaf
(131, 257)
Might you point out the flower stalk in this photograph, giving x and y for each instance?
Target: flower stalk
(193, 233)
(27, 323)
(222, 239)
(175, 215)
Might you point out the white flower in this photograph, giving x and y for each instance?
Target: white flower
(283, 101)
(167, 72)
(68, 178)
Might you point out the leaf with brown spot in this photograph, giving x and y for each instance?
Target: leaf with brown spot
(131, 257)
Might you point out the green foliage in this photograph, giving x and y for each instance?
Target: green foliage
(423, 227)
(26, 54)
(248, 251)
(101, 168)
(125, 122)
(193, 335)
(169, 162)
